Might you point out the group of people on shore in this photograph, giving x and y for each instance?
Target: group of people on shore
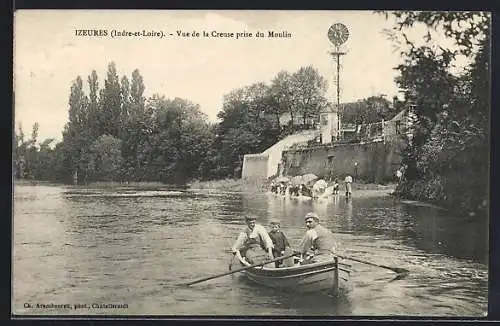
(312, 190)
(256, 245)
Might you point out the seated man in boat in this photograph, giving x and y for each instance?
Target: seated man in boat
(281, 245)
(317, 243)
(253, 243)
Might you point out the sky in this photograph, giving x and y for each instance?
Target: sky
(49, 55)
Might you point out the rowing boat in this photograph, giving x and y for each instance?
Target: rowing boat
(326, 276)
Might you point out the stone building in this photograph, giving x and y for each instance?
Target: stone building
(329, 124)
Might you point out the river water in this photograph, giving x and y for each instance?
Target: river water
(76, 245)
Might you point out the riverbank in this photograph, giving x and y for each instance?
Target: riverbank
(149, 185)
(454, 194)
(28, 182)
(226, 185)
(229, 185)
(140, 185)
(240, 185)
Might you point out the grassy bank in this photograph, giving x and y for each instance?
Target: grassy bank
(373, 186)
(460, 194)
(233, 185)
(99, 184)
(115, 184)
(27, 182)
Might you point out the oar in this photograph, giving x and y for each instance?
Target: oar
(236, 270)
(394, 269)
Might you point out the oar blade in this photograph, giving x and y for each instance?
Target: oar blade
(400, 276)
(401, 270)
(397, 270)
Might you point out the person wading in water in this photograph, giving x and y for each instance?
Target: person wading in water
(348, 187)
(253, 243)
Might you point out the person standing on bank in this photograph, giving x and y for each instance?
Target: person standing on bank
(253, 243)
(399, 175)
(281, 244)
(317, 243)
(348, 187)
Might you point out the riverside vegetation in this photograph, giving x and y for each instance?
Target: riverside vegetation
(115, 134)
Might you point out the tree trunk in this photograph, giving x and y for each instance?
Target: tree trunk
(278, 119)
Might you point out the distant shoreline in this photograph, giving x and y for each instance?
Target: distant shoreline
(240, 185)
(236, 185)
(359, 190)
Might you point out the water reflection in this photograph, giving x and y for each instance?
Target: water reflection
(349, 225)
(303, 305)
(435, 231)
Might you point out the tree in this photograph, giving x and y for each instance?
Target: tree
(136, 92)
(243, 128)
(20, 153)
(466, 28)
(110, 104)
(93, 110)
(309, 89)
(178, 141)
(449, 152)
(281, 95)
(134, 126)
(369, 110)
(44, 164)
(105, 158)
(77, 133)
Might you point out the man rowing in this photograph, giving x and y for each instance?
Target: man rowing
(253, 243)
(317, 243)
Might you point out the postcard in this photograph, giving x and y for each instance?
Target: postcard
(263, 163)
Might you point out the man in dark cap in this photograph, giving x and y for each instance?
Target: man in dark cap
(253, 243)
(317, 243)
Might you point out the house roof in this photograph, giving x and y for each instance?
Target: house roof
(399, 116)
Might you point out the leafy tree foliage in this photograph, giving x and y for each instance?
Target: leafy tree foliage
(280, 95)
(308, 89)
(448, 158)
(370, 110)
(105, 158)
(110, 104)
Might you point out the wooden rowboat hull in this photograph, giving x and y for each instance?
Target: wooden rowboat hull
(316, 277)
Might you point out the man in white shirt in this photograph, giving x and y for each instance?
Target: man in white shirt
(348, 187)
(399, 175)
(317, 243)
(253, 243)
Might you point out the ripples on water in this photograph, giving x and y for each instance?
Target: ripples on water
(82, 245)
